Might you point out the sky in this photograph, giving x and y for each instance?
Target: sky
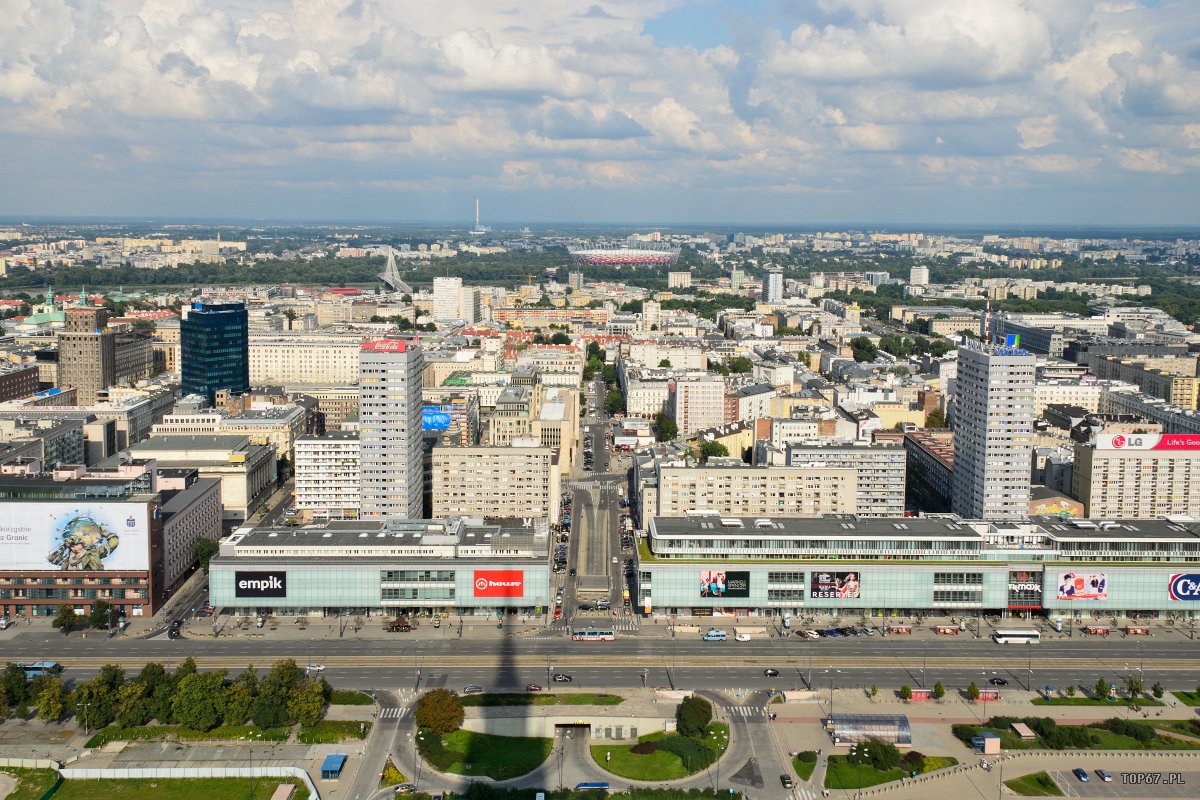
(798, 112)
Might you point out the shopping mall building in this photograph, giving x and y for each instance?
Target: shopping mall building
(1081, 569)
(385, 568)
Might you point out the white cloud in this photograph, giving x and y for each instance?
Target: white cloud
(1037, 132)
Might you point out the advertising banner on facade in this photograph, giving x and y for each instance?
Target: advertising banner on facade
(499, 583)
(1083, 586)
(1148, 441)
(260, 583)
(1024, 589)
(722, 583)
(74, 536)
(835, 586)
(1185, 586)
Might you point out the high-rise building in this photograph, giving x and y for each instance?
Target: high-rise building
(919, 276)
(880, 470)
(87, 354)
(447, 298)
(575, 281)
(389, 411)
(679, 280)
(772, 286)
(993, 433)
(697, 402)
(1137, 476)
(214, 347)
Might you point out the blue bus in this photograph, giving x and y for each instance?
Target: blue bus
(36, 669)
(599, 786)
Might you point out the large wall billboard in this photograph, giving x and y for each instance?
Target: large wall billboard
(74, 536)
(835, 586)
(1082, 586)
(499, 583)
(723, 583)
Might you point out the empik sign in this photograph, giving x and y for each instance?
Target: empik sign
(260, 584)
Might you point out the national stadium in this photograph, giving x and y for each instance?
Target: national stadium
(646, 254)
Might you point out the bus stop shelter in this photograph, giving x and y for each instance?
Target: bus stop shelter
(331, 770)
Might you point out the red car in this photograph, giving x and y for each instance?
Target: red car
(558, 612)
(533, 687)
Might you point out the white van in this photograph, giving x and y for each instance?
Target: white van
(4, 623)
(787, 623)
(715, 636)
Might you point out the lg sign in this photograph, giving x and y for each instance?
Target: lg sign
(260, 584)
(1185, 587)
(499, 583)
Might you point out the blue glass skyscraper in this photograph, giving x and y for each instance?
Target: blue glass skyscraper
(214, 349)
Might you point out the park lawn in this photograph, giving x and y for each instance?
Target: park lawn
(535, 699)
(329, 731)
(1117, 741)
(804, 770)
(1092, 701)
(31, 783)
(841, 774)
(1187, 727)
(1188, 698)
(662, 764)
(469, 753)
(155, 732)
(1039, 784)
(350, 697)
(173, 789)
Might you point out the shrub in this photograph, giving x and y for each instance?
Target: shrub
(806, 757)
(643, 748)
(440, 711)
(693, 716)
(964, 733)
(1142, 731)
(694, 755)
(913, 759)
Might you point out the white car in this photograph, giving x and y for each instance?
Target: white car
(812, 634)
(315, 668)
(742, 637)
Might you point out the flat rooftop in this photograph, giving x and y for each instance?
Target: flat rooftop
(818, 527)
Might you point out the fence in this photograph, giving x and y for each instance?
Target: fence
(37, 763)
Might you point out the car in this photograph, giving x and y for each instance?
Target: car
(1104, 775)
(572, 572)
(586, 607)
(204, 613)
(832, 634)
(533, 687)
(1081, 774)
(406, 788)
(561, 678)
(869, 631)
(472, 689)
(558, 613)
(786, 780)
(770, 673)
(742, 637)
(811, 634)
(315, 668)
(997, 681)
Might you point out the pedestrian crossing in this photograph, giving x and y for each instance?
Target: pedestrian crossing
(748, 712)
(803, 793)
(394, 712)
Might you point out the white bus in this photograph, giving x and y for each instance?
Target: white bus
(1017, 636)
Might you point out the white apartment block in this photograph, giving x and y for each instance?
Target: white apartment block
(447, 298)
(918, 276)
(511, 482)
(880, 473)
(1126, 476)
(654, 352)
(993, 433)
(752, 492)
(697, 403)
(645, 399)
(389, 410)
(304, 357)
(327, 475)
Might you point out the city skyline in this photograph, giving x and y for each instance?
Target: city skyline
(842, 111)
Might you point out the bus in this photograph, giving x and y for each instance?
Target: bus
(1017, 636)
(36, 669)
(598, 786)
(593, 634)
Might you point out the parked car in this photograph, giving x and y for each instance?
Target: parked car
(586, 607)
(742, 637)
(1081, 774)
(472, 689)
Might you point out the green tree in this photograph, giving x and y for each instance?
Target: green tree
(863, 349)
(1157, 690)
(609, 374)
(739, 364)
(1103, 688)
(199, 703)
(874, 690)
(935, 419)
(973, 691)
(713, 450)
(133, 704)
(15, 684)
(185, 668)
(101, 615)
(4, 705)
(1071, 690)
(939, 691)
(239, 701)
(665, 429)
(1134, 685)
(594, 365)
(665, 363)
(693, 716)
(560, 338)
(203, 550)
(614, 401)
(306, 703)
(290, 313)
(595, 351)
(440, 711)
(65, 619)
(111, 676)
(270, 707)
(875, 753)
(906, 692)
(52, 700)
(98, 701)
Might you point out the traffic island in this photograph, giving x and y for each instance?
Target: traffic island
(485, 755)
(663, 756)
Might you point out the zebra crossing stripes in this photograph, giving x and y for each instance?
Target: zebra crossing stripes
(746, 711)
(393, 712)
(802, 793)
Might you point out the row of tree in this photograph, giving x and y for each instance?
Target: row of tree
(196, 700)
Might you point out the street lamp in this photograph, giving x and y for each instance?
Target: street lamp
(863, 752)
(924, 660)
(84, 706)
